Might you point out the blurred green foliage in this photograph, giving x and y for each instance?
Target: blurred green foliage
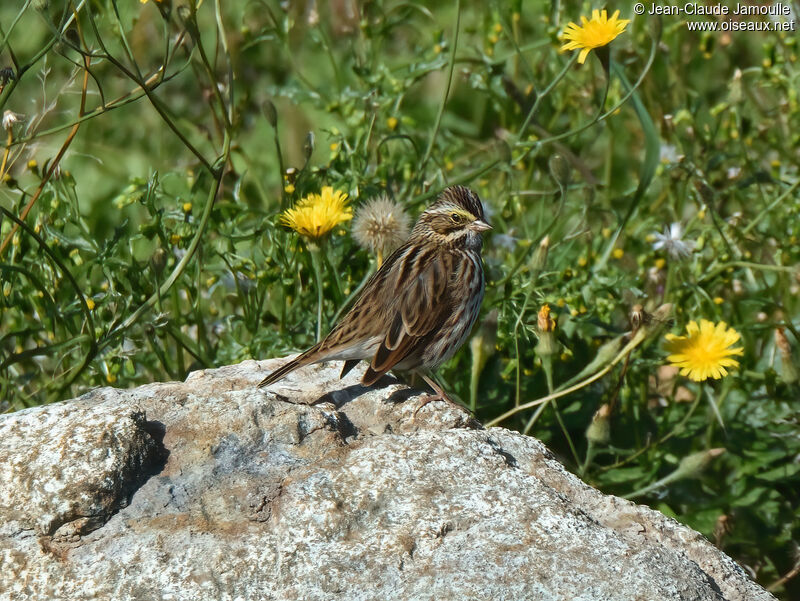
(151, 147)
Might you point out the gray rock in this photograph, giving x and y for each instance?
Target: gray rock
(317, 489)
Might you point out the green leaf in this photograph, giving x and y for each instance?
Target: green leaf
(783, 472)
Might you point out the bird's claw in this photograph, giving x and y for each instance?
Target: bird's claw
(431, 398)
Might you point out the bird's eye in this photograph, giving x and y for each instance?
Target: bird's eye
(455, 217)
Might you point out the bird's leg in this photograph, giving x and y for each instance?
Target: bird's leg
(440, 395)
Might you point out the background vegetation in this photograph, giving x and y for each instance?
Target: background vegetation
(150, 149)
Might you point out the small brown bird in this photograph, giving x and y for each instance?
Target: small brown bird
(419, 307)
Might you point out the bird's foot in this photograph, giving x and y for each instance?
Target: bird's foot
(440, 395)
(431, 398)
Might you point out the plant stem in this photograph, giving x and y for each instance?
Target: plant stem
(452, 65)
(635, 341)
(316, 264)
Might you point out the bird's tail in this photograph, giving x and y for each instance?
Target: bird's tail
(287, 368)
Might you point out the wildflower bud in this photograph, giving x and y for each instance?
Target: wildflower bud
(788, 369)
(159, 260)
(482, 344)
(546, 325)
(639, 317)
(695, 464)
(560, 170)
(735, 93)
(599, 431)
(308, 146)
(539, 260)
(659, 318)
(544, 321)
(270, 112)
(722, 527)
(75, 255)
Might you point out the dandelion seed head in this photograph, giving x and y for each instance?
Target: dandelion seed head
(381, 225)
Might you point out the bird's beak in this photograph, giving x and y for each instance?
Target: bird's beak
(480, 226)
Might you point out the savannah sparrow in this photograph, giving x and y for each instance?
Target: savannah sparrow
(419, 307)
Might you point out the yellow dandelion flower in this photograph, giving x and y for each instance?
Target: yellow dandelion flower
(391, 123)
(594, 33)
(90, 304)
(705, 351)
(317, 214)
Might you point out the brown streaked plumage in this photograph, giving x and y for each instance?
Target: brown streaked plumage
(419, 307)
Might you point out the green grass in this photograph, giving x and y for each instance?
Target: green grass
(153, 245)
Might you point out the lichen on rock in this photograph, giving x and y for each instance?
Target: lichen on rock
(317, 488)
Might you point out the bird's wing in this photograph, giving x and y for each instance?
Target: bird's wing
(423, 302)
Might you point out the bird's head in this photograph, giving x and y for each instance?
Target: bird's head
(455, 219)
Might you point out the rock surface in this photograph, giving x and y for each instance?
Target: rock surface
(213, 489)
